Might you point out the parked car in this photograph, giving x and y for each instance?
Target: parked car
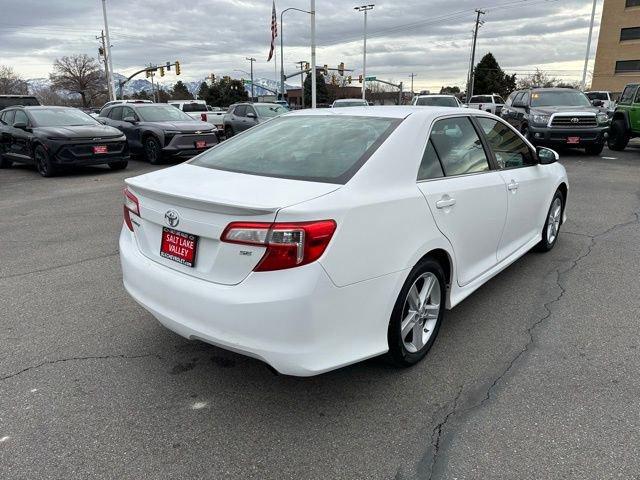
(349, 102)
(557, 117)
(242, 116)
(121, 102)
(436, 101)
(14, 100)
(625, 123)
(290, 243)
(489, 103)
(603, 99)
(198, 110)
(284, 103)
(55, 137)
(157, 129)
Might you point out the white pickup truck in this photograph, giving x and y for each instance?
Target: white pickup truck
(199, 110)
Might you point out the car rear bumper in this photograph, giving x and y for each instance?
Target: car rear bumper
(559, 136)
(295, 320)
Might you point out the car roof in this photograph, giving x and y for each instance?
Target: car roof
(349, 100)
(440, 95)
(391, 111)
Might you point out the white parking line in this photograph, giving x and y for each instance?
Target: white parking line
(610, 158)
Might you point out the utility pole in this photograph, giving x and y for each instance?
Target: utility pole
(365, 9)
(313, 53)
(112, 87)
(473, 55)
(412, 77)
(251, 59)
(301, 63)
(586, 57)
(104, 57)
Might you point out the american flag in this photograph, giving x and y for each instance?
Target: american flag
(274, 30)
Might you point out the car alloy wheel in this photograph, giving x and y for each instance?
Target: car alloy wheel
(420, 313)
(553, 221)
(43, 164)
(152, 150)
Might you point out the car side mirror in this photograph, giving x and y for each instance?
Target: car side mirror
(252, 115)
(597, 103)
(129, 119)
(547, 156)
(20, 125)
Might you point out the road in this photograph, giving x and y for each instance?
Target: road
(534, 376)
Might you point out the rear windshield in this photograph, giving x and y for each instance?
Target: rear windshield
(11, 101)
(481, 99)
(437, 101)
(354, 103)
(57, 117)
(559, 98)
(316, 148)
(194, 107)
(269, 110)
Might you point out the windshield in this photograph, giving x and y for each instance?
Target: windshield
(597, 96)
(162, 113)
(302, 151)
(437, 101)
(269, 110)
(58, 117)
(194, 107)
(354, 103)
(559, 98)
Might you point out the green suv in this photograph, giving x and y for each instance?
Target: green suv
(626, 118)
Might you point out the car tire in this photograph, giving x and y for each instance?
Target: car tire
(228, 132)
(415, 320)
(152, 150)
(118, 165)
(618, 136)
(551, 229)
(4, 162)
(524, 130)
(595, 149)
(43, 162)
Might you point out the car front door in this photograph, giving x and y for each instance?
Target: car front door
(130, 128)
(114, 118)
(527, 186)
(239, 120)
(6, 139)
(21, 136)
(469, 203)
(252, 116)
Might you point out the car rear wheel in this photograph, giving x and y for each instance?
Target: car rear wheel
(152, 150)
(228, 132)
(43, 162)
(551, 228)
(595, 149)
(417, 314)
(618, 136)
(118, 165)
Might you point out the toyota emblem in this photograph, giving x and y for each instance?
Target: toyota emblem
(172, 218)
(575, 120)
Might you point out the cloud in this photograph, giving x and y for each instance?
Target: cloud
(428, 37)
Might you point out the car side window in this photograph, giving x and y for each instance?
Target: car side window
(518, 97)
(458, 146)
(2, 115)
(509, 149)
(128, 112)
(116, 113)
(20, 117)
(240, 111)
(637, 99)
(510, 99)
(8, 117)
(251, 110)
(525, 98)
(430, 166)
(627, 94)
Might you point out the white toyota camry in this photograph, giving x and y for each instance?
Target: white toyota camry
(322, 238)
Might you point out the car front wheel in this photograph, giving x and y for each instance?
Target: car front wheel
(618, 136)
(551, 228)
(43, 162)
(417, 314)
(228, 132)
(152, 150)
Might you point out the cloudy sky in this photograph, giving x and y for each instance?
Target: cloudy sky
(430, 38)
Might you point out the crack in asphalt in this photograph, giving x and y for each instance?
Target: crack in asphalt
(48, 269)
(439, 428)
(70, 359)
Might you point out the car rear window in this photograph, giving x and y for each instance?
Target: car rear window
(318, 148)
(194, 107)
(437, 101)
(481, 99)
(597, 95)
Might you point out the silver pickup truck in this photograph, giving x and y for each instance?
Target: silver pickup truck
(199, 110)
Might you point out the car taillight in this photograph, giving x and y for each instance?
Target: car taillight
(203, 117)
(288, 244)
(131, 205)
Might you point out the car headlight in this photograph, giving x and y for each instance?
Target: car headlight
(602, 118)
(540, 119)
(171, 132)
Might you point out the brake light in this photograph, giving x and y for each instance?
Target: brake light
(288, 244)
(131, 205)
(203, 117)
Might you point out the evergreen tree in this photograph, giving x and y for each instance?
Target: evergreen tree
(181, 92)
(449, 90)
(490, 78)
(203, 91)
(322, 93)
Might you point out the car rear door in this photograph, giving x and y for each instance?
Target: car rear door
(469, 200)
(527, 185)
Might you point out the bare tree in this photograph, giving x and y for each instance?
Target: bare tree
(79, 74)
(11, 83)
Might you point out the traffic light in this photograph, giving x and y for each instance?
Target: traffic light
(325, 70)
(349, 79)
(306, 65)
(360, 78)
(101, 51)
(341, 69)
(148, 73)
(177, 67)
(168, 66)
(162, 71)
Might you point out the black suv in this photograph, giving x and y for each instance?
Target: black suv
(13, 100)
(557, 117)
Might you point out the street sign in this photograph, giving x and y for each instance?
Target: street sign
(246, 82)
(370, 79)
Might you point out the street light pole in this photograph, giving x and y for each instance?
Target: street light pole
(472, 77)
(112, 87)
(313, 54)
(413, 75)
(251, 59)
(586, 57)
(365, 9)
(282, 46)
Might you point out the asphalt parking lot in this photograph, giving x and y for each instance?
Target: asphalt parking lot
(534, 376)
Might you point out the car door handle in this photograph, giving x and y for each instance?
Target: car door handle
(513, 186)
(445, 202)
